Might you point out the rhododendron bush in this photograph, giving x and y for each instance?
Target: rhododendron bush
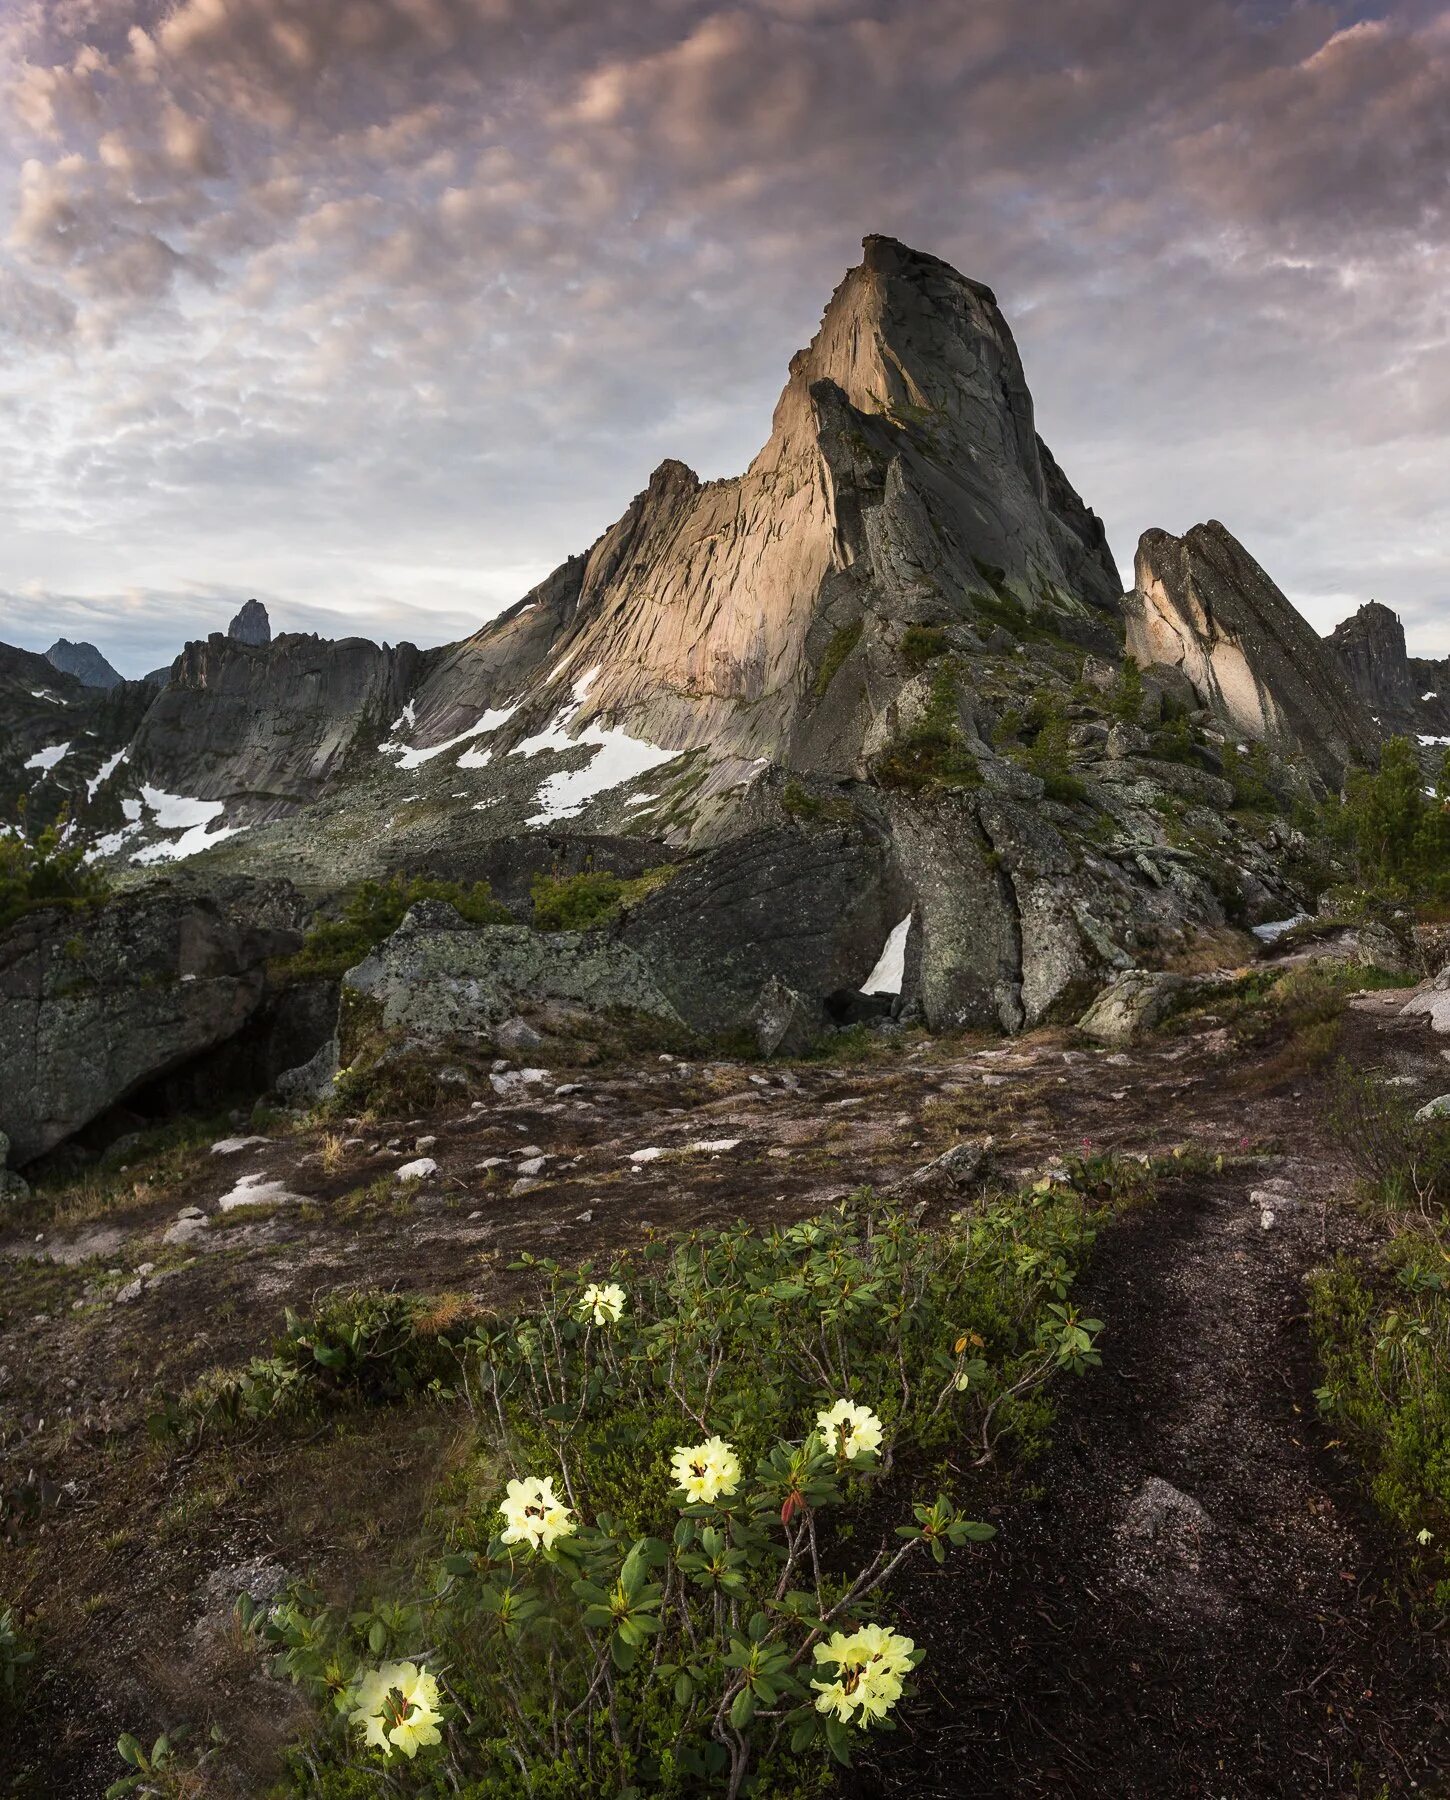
(691, 1485)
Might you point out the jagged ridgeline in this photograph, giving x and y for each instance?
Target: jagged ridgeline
(878, 705)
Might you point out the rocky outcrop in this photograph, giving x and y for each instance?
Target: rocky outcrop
(266, 728)
(55, 736)
(436, 979)
(1404, 694)
(1202, 605)
(96, 1004)
(83, 661)
(251, 626)
(807, 909)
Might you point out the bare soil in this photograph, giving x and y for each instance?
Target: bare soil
(1097, 1646)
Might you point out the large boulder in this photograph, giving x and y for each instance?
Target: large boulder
(437, 978)
(1131, 1004)
(1431, 1000)
(1201, 604)
(811, 907)
(97, 1004)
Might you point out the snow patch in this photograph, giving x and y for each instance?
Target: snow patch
(890, 970)
(105, 772)
(1275, 929)
(413, 759)
(1424, 739)
(1430, 696)
(45, 760)
(176, 812)
(617, 758)
(232, 1145)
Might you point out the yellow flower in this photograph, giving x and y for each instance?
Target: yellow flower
(397, 1707)
(869, 1666)
(602, 1303)
(708, 1471)
(850, 1430)
(884, 1648)
(533, 1513)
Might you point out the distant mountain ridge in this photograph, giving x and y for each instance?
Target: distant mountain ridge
(83, 661)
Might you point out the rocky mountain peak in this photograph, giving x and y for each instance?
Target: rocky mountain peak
(83, 661)
(251, 625)
(1201, 604)
(1370, 646)
(1404, 693)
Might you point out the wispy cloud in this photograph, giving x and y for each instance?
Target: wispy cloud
(379, 308)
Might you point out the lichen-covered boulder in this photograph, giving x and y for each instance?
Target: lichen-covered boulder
(1131, 1004)
(95, 1004)
(438, 978)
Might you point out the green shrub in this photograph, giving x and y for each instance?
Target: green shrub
(933, 753)
(922, 644)
(42, 871)
(1383, 1332)
(1399, 834)
(1173, 741)
(374, 911)
(1048, 758)
(16, 1656)
(1127, 699)
(1384, 1344)
(1251, 773)
(801, 803)
(842, 643)
(580, 902)
(369, 1347)
(653, 1638)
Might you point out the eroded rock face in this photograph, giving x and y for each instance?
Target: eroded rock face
(903, 482)
(267, 727)
(94, 1005)
(1201, 604)
(1406, 694)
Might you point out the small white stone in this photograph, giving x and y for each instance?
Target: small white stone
(419, 1170)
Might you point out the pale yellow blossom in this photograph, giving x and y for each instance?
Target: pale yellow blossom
(869, 1666)
(850, 1430)
(602, 1303)
(533, 1514)
(397, 1708)
(706, 1472)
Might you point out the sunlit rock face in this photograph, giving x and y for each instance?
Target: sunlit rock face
(903, 482)
(1202, 605)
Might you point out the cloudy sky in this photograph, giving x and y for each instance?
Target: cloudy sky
(379, 308)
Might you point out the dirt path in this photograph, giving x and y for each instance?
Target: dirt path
(1227, 1634)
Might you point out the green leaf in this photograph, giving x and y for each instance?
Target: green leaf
(742, 1709)
(684, 1688)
